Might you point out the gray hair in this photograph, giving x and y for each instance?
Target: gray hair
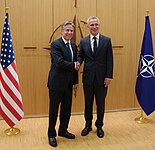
(92, 17)
(64, 24)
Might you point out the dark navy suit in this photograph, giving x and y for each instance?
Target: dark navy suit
(62, 77)
(97, 67)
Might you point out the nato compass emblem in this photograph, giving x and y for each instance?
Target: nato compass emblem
(147, 66)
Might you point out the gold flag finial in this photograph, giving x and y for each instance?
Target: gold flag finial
(147, 12)
(6, 8)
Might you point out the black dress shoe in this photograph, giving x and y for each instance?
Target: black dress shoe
(67, 135)
(100, 133)
(86, 130)
(52, 141)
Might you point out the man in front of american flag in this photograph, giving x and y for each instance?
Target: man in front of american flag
(11, 106)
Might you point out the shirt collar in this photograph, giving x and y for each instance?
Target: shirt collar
(97, 36)
(65, 40)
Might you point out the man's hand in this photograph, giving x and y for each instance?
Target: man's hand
(77, 65)
(107, 82)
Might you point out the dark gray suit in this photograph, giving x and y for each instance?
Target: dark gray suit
(97, 67)
(62, 77)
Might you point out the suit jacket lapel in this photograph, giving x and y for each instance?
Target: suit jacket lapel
(74, 51)
(73, 48)
(89, 44)
(101, 43)
(65, 49)
(62, 42)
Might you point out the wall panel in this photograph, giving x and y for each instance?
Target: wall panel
(62, 11)
(32, 23)
(83, 10)
(31, 27)
(118, 21)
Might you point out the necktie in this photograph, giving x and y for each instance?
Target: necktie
(95, 45)
(69, 50)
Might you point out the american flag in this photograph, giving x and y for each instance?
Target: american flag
(11, 106)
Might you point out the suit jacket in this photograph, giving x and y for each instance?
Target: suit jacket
(62, 72)
(99, 65)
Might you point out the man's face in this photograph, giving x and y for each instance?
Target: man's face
(67, 32)
(93, 26)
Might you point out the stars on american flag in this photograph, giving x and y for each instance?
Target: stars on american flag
(7, 53)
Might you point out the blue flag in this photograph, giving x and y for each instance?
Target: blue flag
(145, 84)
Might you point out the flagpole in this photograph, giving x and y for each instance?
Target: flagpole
(147, 12)
(10, 131)
(6, 8)
(141, 119)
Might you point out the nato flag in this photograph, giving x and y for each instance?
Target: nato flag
(145, 84)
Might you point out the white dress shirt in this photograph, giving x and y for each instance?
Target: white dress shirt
(69, 46)
(92, 41)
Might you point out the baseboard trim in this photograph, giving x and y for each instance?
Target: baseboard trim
(79, 113)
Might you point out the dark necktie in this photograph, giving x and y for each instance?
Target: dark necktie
(95, 45)
(69, 50)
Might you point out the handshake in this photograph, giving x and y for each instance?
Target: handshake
(77, 65)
